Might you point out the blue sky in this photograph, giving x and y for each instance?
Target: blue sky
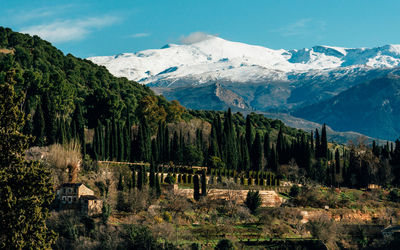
(90, 28)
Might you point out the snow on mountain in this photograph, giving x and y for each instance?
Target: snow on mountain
(214, 58)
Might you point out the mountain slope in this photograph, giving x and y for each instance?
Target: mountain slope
(371, 108)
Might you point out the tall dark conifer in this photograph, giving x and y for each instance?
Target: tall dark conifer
(256, 153)
(78, 122)
(49, 118)
(249, 132)
(317, 145)
(324, 143)
(39, 126)
(273, 161)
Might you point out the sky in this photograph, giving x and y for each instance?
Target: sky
(96, 28)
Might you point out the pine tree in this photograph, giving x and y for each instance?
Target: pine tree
(26, 189)
(196, 187)
(39, 126)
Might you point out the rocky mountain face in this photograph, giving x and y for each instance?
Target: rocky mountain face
(216, 74)
(371, 108)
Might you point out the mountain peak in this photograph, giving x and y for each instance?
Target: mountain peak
(203, 58)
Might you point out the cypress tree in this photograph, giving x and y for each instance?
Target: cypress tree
(133, 177)
(95, 143)
(166, 146)
(175, 147)
(140, 178)
(144, 141)
(28, 127)
(152, 175)
(49, 118)
(121, 142)
(245, 155)
(317, 145)
(203, 183)
(273, 161)
(196, 187)
(155, 150)
(158, 187)
(312, 141)
(120, 186)
(39, 127)
(256, 153)
(249, 132)
(107, 141)
(337, 161)
(115, 139)
(281, 148)
(324, 143)
(79, 125)
(229, 142)
(267, 147)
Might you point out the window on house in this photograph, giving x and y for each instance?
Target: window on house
(69, 199)
(74, 198)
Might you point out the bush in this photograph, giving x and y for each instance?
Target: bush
(224, 244)
(253, 200)
(169, 179)
(394, 195)
(294, 191)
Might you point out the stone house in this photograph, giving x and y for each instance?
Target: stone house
(79, 197)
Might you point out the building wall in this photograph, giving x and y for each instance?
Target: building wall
(92, 207)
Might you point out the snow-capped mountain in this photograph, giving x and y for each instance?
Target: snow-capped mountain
(215, 74)
(214, 59)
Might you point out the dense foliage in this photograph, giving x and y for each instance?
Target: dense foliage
(25, 188)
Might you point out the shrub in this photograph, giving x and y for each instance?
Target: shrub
(394, 195)
(224, 244)
(169, 179)
(294, 191)
(253, 200)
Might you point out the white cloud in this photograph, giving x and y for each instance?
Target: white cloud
(69, 30)
(23, 16)
(195, 37)
(140, 35)
(302, 27)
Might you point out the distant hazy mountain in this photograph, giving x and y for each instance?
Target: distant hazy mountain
(371, 108)
(215, 74)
